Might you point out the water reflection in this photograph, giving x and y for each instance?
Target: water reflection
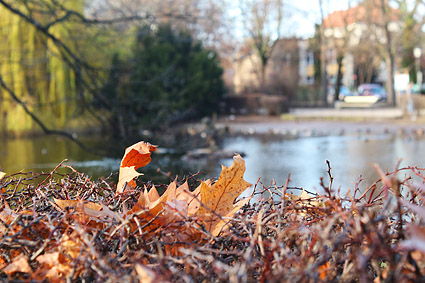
(305, 158)
(267, 157)
(42, 154)
(28, 154)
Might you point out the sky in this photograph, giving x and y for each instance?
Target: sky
(304, 23)
(304, 14)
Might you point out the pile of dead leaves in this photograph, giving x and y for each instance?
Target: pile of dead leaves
(68, 227)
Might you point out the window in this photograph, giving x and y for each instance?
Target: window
(310, 80)
(310, 58)
(288, 59)
(331, 56)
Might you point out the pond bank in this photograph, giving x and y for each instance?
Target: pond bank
(291, 125)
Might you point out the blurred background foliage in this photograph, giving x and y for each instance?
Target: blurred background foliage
(123, 67)
(80, 64)
(169, 77)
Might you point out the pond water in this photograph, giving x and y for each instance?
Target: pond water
(42, 154)
(350, 156)
(267, 157)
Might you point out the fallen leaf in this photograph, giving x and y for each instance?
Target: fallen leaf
(153, 195)
(212, 204)
(324, 270)
(194, 201)
(63, 204)
(154, 202)
(2, 174)
(49, 258)
(19, 264)
(51, 268)
(303, 196)
(219, 225)
(135, 156)
(145, 274)
(217, 200)
(71, 245)
(7, 216)
(89, 213)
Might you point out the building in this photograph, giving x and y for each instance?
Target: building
(290, 65)
(354, 40)
(356, 35)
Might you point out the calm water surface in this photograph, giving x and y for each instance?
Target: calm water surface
(42, 154)
(271, 158)
(351, 156)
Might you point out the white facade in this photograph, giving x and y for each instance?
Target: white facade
(306, 63)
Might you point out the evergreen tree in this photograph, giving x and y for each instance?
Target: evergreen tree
(169, 78)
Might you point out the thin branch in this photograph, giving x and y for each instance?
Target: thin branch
(45, 30)
(67, 55)
(38, 121)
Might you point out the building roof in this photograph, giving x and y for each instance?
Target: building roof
(363, 13)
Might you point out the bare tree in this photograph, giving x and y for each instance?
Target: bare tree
(205, 19)
(262, 21)
(106, 19)
(339, 39)
(389, 22)
(323, 59)
(366, 61)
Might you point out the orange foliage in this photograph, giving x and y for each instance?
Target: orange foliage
(136, 156)
(178, 215)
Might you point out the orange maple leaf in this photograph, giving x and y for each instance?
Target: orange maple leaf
(136, 156)
(211, 203)
(218, 199)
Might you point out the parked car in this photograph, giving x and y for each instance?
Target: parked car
(343, 92)
(372, 90)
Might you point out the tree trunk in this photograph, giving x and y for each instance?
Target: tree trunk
(389, 58)
(338, 77)
(323, 74)
(263, 75)
(391, 98)
(323, 63)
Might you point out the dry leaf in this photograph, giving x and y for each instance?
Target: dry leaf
(145, 274)
(310, 204)
(7, 216)
(19, 264)
(218, 199)
(213, 204)
(51, 268)
(89, 213)
(49, 258)
(71, 245)
(79, 205)
(324, 270)
(135, 156)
